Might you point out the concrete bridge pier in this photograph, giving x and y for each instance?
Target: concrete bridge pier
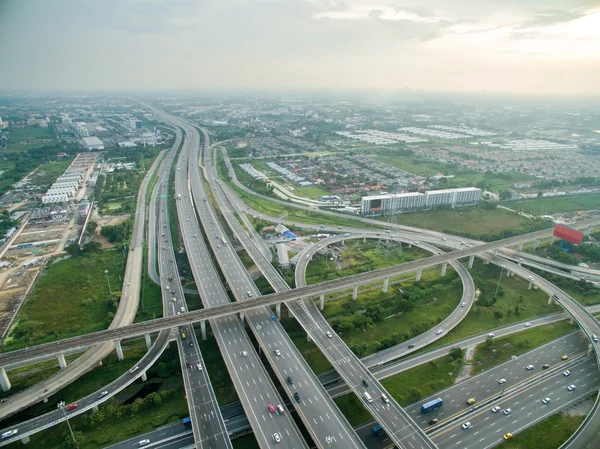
(95, 409)
(343, 242)
(537, 243)
(386, 282)
(321, 301)
(144, 376)
(572, 320)
(471, 260)
(418, 276)
(364, 240)
(308, 339)
(507, 273)
(590, 349)
(549, 298)
(203, 329)
(587, 231)
(355, 293)
(278, 311)
(520, 246)
(4, 382)
(444, 267)
(119, 349)
(148, 341)
(496, 252)
(242, 317)
(61, 361)
(25, 439)
(530, 286)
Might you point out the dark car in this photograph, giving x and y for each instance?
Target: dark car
(545, 366)
(290, 380)
(297, 397)
(412, 345)
(365, 383)
(433, 421)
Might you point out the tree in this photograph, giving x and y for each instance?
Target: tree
(498, 315)
(91, 227)
(375, 312)
(414, 394)
(91, 247)
(73, 250)
(456, 354)
(152, 400)
(505, 194)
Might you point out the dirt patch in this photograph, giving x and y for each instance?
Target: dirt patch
(467, 368)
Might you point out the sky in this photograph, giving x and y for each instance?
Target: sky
(517, 46)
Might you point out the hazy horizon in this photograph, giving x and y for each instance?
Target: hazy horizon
(530, 47)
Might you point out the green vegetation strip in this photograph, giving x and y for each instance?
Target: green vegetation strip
(550, 433)
(499, 350)
(569, 203)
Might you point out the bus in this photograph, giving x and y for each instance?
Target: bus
(431, 405)
(187, 422)
(377, 430)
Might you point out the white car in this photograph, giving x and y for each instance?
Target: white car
(567, 373)
(277, 352)
(546, 401)
(438, 332)
(507, 411)
(491, 335)
(276, 438)
(501, 381)
(496, 409)
(571, 387)
(467, 425)
(595, 338)
(244, 353)
(529, 367)
(328, 334)
(527, 324)
(199, 367)
(144, 442)
(9, 433)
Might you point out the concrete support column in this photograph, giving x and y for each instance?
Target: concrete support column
(507, 273)
(590, 349)
(386, 282)
(45, 400)
(537, 243)
(487, 262)
(355, 293)
(4, 382)
(61, 361)
(343, 242)
(95, 409)
(496, 252)
(119, 349)
(321, 301)
(278, 311)
(308, 339)
(587, 231)
(530, 286)
(203, 329)
(148, 341)
(572, 320)
(549, 297)
(444, 267)
(521, 246)
(471, 260)
(242, 317)
(364, 240)
(418, 276)
(25, 439)
(144, 376)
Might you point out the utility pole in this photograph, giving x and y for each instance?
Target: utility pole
(61, 406)
(108, 281)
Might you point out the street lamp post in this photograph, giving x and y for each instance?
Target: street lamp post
(108, 281)
(61, 406)
(498, 284)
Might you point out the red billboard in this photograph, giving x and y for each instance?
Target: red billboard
(568, 234)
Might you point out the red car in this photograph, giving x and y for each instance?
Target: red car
(271, 408)
(71, 406)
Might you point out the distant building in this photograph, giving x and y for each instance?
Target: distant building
(93, 143)
(83, 210)
(405, 202)
(135, 124)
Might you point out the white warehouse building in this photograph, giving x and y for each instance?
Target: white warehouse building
(406, 202)
(55, 198)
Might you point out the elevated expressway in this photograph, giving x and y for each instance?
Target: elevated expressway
(249, 377)
(399, 426)
(45, 350)
(325, 423)
(91, 401)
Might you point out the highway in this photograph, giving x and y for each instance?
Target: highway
(399, 427)
(326, 424)
(252, 382)
(207, 423)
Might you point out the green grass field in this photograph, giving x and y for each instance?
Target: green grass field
(72, 298)
(20, 134)
(499, 350)
(541, 206)
(47, 173)
(551, 433)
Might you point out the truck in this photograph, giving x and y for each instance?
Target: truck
(377, 430)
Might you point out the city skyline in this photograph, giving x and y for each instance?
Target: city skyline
(519, 47)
